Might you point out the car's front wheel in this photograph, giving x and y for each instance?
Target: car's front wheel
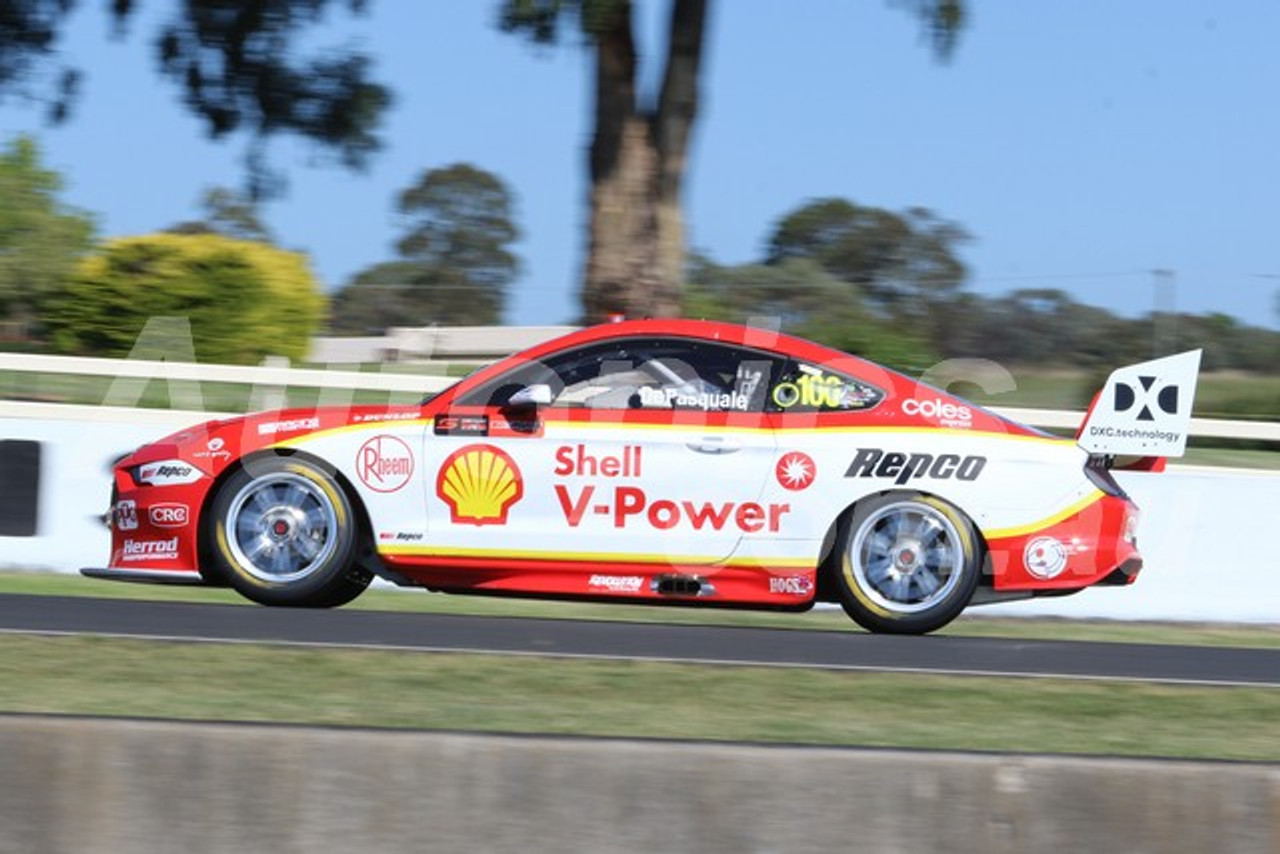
(283, 533)
(907, 563)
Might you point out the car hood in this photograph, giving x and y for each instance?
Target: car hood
(211, 445)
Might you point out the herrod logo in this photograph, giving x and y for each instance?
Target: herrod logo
(384, 463)
(873, 462)
(479, 483)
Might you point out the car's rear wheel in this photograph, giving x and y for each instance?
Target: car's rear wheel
(283, 533)
(908, 563)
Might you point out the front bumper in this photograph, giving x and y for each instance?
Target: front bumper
(145, 576)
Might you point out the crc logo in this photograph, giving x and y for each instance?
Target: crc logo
(944, 412)
(384, 463)
(1127, 397)
(873, 462)
(168, 515)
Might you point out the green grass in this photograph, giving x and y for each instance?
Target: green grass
(88, 675)
(1238, 458)
(215, 396)
(482, 693)
(1224, 394)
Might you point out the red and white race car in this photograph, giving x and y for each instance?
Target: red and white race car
(677, 461)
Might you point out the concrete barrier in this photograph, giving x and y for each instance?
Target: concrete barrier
(77, 785)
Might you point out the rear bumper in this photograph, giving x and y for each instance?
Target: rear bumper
(1124, 574)
(1096, 545)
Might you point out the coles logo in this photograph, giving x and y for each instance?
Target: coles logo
(947, 414)
(1045, 557)
(480, 483)
(168, 515)
(795, 471)
(384, 463)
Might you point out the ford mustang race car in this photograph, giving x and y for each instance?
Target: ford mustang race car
(673, 461)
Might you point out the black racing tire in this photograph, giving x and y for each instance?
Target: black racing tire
(906, 563)
(282, 532)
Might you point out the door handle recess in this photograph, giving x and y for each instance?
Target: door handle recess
(715, 445)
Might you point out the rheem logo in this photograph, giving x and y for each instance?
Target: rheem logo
(384, 463)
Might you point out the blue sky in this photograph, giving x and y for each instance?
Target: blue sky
(1082, 144)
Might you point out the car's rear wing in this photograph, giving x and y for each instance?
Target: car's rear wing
(1143, 411)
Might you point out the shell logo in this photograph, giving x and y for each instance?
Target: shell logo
(480, 483)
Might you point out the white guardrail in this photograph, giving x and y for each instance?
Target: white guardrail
(267, 378)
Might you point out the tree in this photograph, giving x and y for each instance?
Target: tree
(40, 238)
(28, 32)
(455, 261)
(245, 300)
(235, 63)
(639, 148)
(905, 262)
(801, 298)
(237, 67)
(229, 213)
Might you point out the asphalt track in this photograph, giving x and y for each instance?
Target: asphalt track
(829, 650)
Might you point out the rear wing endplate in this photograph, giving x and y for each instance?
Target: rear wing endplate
(1144, 409)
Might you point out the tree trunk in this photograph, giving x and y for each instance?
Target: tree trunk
(635, 260)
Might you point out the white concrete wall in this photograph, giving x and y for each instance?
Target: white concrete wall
(1210, 539)
(1209, 536)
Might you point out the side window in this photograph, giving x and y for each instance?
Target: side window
(808, 388)
(673, 374)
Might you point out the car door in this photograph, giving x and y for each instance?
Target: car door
(652, 450)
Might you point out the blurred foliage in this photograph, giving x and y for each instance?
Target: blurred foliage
(243, 67)
(455, 261)
(28, 33)
(889, 286)
(802, 298)
(40, 238)
(229, 213)
(237, 65)
(901, 261)
(245, 300)
(237, 69)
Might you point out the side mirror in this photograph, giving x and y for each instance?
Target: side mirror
(538, 394)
